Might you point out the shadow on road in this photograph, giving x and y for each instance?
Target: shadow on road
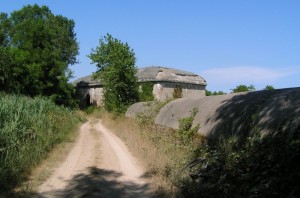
(97, 183)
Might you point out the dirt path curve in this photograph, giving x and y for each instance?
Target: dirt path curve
(99, 165)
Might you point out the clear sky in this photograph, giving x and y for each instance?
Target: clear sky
(228, 42)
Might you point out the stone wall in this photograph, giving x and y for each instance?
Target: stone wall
(163, 91)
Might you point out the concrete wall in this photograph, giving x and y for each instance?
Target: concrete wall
(163, 91)
(95, 93)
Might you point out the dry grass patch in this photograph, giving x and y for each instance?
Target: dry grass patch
(158, 149)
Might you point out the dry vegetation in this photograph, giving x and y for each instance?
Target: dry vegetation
(162, 154)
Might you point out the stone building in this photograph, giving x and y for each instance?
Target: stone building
(167, 83)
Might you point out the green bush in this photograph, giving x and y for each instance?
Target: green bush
(253, 167)
(146, 92)
(185, 131)
(29, 129)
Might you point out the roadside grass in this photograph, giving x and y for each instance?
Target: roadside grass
(163, 153)
(43, 171)
(29, 130)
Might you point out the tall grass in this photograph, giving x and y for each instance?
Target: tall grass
(162, 153)
(29, 129)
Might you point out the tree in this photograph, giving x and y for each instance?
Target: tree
(116, 70)
(215, 93)
(243, 88)
(36, 48)
(146, 91)
(269, 87)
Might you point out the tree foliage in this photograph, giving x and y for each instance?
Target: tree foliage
(269, 87)
(146, 91)
(243, 88)
(116, 69)
(36, 48)
(214, 93)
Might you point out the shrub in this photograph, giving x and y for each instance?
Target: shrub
(185, 131)
(255, 167)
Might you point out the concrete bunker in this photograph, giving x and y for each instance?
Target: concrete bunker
(167, 84)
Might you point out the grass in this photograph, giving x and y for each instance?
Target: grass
(43, 171)
(162, 153)
(29, 130)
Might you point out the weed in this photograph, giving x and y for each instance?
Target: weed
(185, 131)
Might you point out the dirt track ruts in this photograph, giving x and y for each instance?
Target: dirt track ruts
(99, 165)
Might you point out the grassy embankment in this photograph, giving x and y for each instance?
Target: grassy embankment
(29, 130)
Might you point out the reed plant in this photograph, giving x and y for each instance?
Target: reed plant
(29, 129)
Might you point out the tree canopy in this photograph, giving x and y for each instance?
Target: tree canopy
(269, 87)
(243, 88)
(36, 48)
(116, 69)
(214, 93)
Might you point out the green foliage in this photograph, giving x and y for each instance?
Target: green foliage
(116, 69)
(269, 87)
(253, 167)
(36, 48)
(243, 88)
(89, 110)
(146, 92)
(185, 131)
(29, 129)
(215, 93)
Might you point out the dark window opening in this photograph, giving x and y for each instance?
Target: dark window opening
(88, 100)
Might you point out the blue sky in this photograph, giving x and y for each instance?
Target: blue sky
(228, 43)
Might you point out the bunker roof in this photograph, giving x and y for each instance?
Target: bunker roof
(158, 73)
(153, 74)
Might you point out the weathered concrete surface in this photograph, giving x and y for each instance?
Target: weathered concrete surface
(268, 111)
(164, 74)
(140, 107)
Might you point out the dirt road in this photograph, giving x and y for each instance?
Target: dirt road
(99, 165)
